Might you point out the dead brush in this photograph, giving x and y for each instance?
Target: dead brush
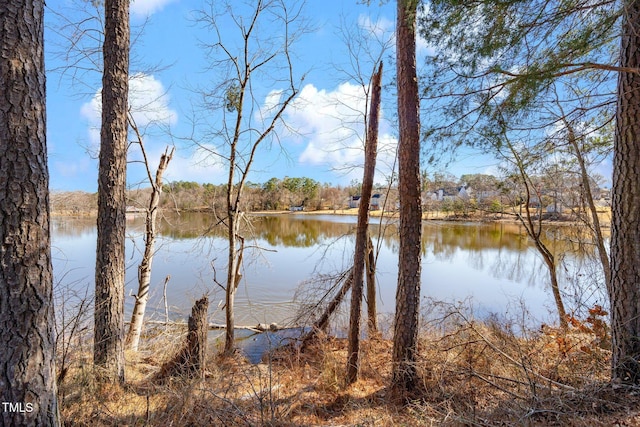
(375, 363)
(488, 372)
(477, 371)
(200, 403)
(235, 392)
(332, 366)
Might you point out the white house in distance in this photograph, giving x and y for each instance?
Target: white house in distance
(450, 193)
(463, 192)
(374, 205)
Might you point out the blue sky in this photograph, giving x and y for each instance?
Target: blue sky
(169, 62)
(324, 148)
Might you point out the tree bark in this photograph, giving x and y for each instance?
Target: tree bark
(372, 309)
(233, 280)
(190, 360)
(370, 150)
(549, 259)
(405, 339)
(108, 353)
(27, 340)
(624, 289)
(144, 269)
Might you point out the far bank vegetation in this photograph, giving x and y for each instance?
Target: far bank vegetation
(443, 196)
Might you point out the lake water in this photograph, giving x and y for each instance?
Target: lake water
(493, 266)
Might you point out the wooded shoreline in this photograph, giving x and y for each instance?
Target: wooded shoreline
(506, 217)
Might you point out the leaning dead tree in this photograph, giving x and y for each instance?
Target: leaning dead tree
(371, 145)
(366, 45)
(372, 300)
(364, 257)
(190, 360)
(144, 269)
(343, 283)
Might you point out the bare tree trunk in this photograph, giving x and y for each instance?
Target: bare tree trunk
(190, 360)
(372, 309)
(230, 289)
(108, 352)
(241, 157)
(534, 230)
(405, 338)
(555, 288)
(595, 221)
(27, 340)
(144, 269)
(624, 291)
(370, 150)
(233, 281)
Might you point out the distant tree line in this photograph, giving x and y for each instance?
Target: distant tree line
(275, 194)
(559, 192)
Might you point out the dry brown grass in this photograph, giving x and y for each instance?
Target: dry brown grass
(472, 374)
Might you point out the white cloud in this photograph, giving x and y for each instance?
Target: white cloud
(91, 111)
(492, 170)
(148, 100)
(148, 7)
(331, 125)
(150, 108)
(382, 29)
(270, 106)
(423, 48)
(200, 165)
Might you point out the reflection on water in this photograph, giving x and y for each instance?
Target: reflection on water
(494, 263)
(255, 345)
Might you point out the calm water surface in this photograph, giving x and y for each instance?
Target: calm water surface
(493, 265)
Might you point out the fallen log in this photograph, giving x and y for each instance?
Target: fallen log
(323, 321)
(260, 327)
